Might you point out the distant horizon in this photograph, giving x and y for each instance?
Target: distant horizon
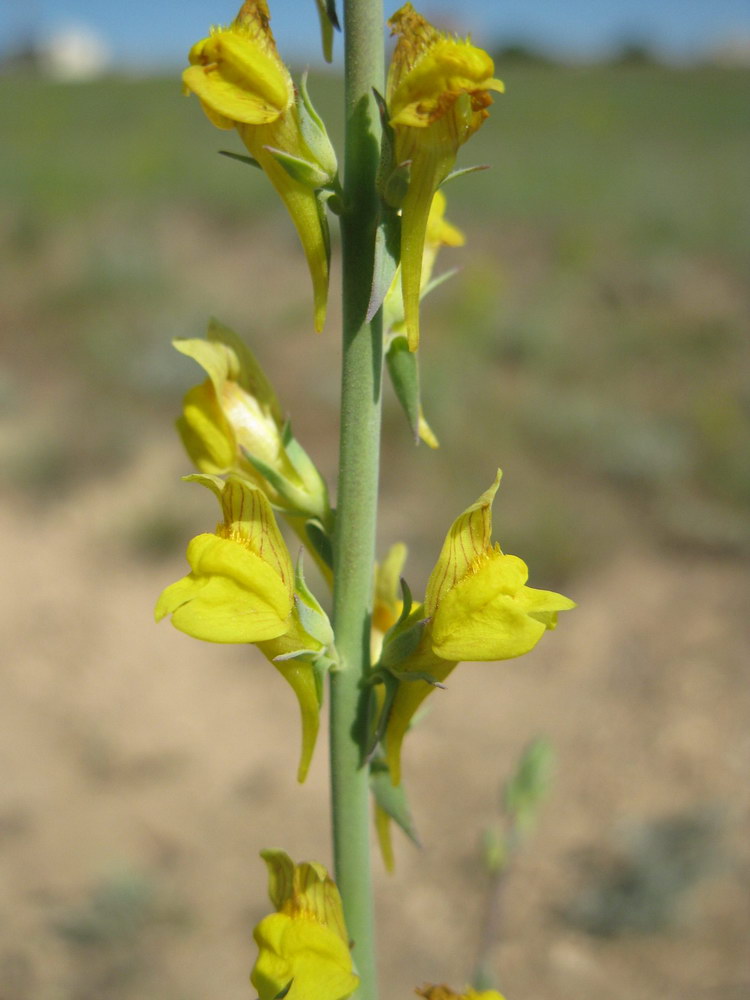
(157, 39)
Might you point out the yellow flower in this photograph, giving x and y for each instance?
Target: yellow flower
(241, 588)
(438, 92)
(477, 600)
(387, 603)
(242, 83)
(446, 993)
(304, 945)
(235, 414)
(477, 607)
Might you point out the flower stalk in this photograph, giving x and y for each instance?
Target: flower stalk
(354, 544)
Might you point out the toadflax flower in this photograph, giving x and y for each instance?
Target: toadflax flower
(304, 946)
(232, 423)
(438, 92)
(242, 588)
(242, 83)
(477, 607)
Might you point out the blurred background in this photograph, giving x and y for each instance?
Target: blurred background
(594, 344)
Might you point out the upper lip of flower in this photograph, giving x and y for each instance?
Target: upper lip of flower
(239, 75)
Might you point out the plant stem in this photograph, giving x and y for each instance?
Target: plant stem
(354, 545)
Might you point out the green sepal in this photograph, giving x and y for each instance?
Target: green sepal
(392, 799)
(308, 655)
(416, 675)
(403, 368)
(250, 160)
(320, 540)
(407, 602)
(315, 134)
(303, 464)
(399, 644)
(299, 169)
(282, 486)
(462, 171)
(314, 619)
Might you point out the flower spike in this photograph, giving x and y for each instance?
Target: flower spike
(241, 82)
(438, 93)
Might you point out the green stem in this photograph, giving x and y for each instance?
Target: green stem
(354, 545)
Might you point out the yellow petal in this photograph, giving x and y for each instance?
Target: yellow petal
(231, 595)
(305, 889)
(387, 596)
(205, 432)
(237, 79)
(449, 67)
(440, 232)
(446, 993)
(249, 520)
(481, 619)
(310, 956)
(467, 540)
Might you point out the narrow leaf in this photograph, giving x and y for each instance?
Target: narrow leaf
(462, 171)
(250, 160)
(403, 369)
(392, 799)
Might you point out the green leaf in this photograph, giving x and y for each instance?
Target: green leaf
(328, 21)
(403, 368)
(333, 16)
(392, 799)
(250, 160)
(527, 787)
(462, 171)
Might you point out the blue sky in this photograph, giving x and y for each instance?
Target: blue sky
(159, 32)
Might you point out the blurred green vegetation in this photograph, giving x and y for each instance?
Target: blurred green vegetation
(594, 345)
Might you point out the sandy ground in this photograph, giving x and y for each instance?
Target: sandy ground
(143, 772)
